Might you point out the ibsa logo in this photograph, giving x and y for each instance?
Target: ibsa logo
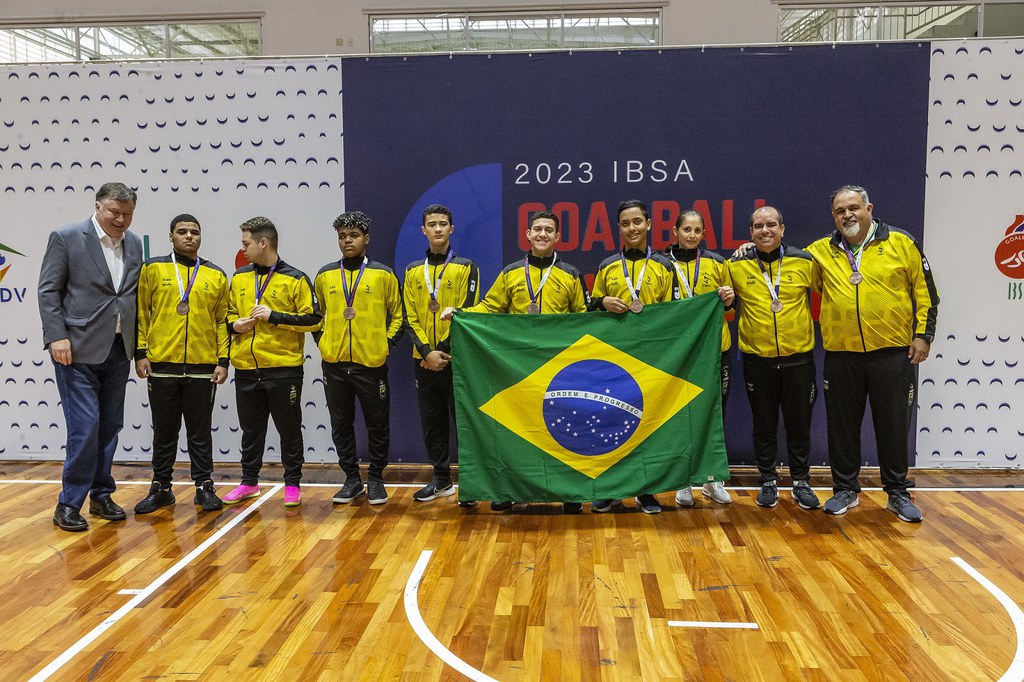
(1009, 257)
(9, 294)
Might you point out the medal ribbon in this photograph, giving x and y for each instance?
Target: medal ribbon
(773, 290)
(682, 276)
(855, 261)
(350, 297)
(543, 279)
(432, 288)
(261, 289)
(634, 292)
(183, 290)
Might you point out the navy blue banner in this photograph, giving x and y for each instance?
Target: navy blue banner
(722, 130)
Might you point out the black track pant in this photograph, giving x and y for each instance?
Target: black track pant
(257, 400)
(437, 408)
(887, 380)
(343, 383)
(171, 399)
(788, 386)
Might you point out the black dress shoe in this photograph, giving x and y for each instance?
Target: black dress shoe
(68, 518)
(105, 508)
(157, 497)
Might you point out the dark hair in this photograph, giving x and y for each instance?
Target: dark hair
(261, 228)
(849, 188)
(761, 208)
(539, 215)
(633, 203)
(118, 191)
(691, 212)
(437, 208)
(184, 218)
(356, 219)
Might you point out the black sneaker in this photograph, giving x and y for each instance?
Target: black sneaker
(901, 505)
(804, 496)
(433, 490)
(840, 502)
(352, 489)
(206, 497)
(602, 506)
(648, 504)
(768, 495)
(157, 497)
(467, 504)
(501, 506)
(375, 492)
(572, 507)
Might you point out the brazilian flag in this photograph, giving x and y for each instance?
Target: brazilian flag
(589, 406)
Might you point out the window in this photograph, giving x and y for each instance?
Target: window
(80, 43)
(514, 31)
(899, 21)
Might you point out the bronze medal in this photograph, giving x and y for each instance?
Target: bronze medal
(349, 313)
(533, 309)
(856, 278)
(637, 305)
(776, 306)
(433, 306)
(182, 308)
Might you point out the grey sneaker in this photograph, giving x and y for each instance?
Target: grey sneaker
(602, 506)
(840, 502)
(434, 490)
(717, 492)
(684, 497)
(768, 495)
(901, 505)
(804, 496)
(648, 504)
(352, 489)
(375, 492)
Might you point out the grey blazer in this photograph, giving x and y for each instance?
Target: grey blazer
(77, 300)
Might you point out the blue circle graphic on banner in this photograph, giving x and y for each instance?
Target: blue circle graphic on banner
(591, 407)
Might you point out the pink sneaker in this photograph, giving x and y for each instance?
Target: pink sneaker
(292, 496)
(242, 492)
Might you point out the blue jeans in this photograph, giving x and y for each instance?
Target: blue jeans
(92, 397)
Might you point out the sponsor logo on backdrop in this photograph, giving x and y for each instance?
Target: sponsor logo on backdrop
(10, 294)
(1009, 257)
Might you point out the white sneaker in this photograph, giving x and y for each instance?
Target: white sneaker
(684, 497)
(717, 492)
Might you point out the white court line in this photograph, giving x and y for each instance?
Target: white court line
(220, 483)
(710, 624)
(412, 611)
(143, 594)
(1015, 673)
(129, 592)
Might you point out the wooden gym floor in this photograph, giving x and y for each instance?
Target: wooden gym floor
(428, 591)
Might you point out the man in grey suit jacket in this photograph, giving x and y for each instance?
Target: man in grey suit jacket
(87, 287)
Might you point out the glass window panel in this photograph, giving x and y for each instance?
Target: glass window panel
(928, 22)
(1004, 19)
(113, 42)
(215, 40)
(38, 45)
(828, 25)
(426, 34)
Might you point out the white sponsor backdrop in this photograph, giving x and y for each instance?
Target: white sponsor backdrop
(229, 140)
(972, 389)
(223, 140)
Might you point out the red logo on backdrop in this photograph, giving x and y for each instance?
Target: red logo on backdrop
(1010, 252)
(240, 260)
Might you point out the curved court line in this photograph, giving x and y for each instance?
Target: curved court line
(1015, 673)
(147, 591)
(412, 611)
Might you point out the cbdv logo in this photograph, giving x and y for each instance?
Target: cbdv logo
(7, 294)
(1009, 257)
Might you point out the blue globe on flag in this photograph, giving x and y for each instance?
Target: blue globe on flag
(591, 407)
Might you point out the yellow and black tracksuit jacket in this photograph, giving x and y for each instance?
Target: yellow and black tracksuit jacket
(712, 274)
(659, 282)
(459, 287)
(369, 337)
(896, 301)
(763, 332)
(276, 347)
(564, 291)
(182, 345)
